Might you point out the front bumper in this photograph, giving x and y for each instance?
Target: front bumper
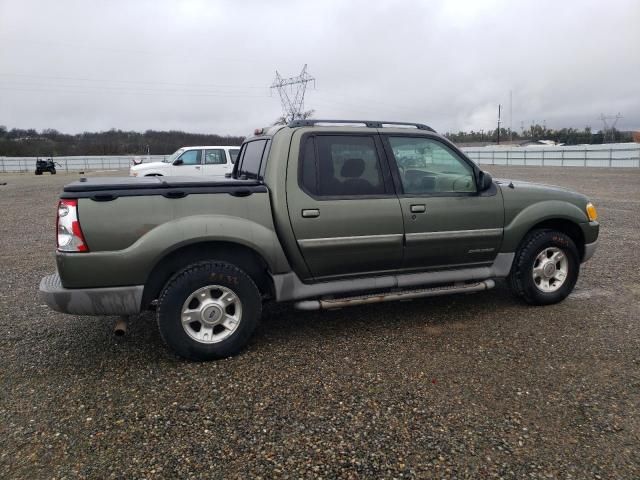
(90, 301)
(589, 250)
(591, 231)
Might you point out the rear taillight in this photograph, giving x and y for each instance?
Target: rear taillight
(70, 238)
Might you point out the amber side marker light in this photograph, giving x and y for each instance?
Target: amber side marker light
(591, 212)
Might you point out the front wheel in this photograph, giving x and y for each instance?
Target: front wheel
(208, 311)
(545, 268)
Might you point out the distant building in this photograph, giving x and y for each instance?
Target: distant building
(540, 143)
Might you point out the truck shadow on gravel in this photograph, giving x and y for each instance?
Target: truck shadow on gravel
(285, 321)
(90, 342)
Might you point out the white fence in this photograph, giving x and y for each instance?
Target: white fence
(610, 155)
(75, 164)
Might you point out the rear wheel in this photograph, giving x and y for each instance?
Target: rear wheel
(53, 171)
(208, 310)
(545, 268)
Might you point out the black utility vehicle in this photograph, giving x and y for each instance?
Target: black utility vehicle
(46, 166)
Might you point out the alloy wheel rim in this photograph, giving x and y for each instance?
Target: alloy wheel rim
(550, 270)
(211, 314)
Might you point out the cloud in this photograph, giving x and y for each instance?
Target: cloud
(206, 66)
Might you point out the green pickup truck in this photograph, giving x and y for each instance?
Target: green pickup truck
(321, 213)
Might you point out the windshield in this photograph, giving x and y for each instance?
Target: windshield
(173, 156)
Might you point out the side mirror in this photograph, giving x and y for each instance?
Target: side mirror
(484, 181)
(178, 162)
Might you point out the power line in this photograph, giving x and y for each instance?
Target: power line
(147, 93)
(130, 82)
(156, 53)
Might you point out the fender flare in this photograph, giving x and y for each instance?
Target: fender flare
(185, 231)
(535, 214)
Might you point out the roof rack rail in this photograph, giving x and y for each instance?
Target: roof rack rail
(367, 123)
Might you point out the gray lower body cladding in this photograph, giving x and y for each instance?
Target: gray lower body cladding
(90, 301)
(127, 300)
(289, 287)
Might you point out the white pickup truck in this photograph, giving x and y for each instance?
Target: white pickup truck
(191, 161)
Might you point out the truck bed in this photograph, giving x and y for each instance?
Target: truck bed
(130, 224)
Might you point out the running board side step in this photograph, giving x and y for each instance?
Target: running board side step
(392, 296)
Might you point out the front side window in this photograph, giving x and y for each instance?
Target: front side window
(214, 157)
(252, 156)
(233, 153)
(190, 157)
(341, 165)
(427, 166)
(174, 156)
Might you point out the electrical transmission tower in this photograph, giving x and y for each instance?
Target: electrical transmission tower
(609, 129)
(291, 91)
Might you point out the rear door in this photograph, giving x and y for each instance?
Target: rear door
(189, 164)
(215, 162)
(447, 222)
(343, 209)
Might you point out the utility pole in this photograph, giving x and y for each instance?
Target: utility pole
(499, 108)
(510, 115)
(291, 91)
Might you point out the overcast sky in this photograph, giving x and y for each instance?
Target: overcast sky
(206, 66)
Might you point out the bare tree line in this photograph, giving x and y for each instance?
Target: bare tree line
(49, 142)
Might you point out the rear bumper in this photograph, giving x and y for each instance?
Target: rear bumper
(90, 301)
(589, 250)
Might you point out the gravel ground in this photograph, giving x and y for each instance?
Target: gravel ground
(472, 386)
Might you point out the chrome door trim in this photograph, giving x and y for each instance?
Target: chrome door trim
(354, 241)
(454, 234)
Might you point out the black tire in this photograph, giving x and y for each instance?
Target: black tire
(38, 172)
(183, 284)
(521, 276)
(53, 171)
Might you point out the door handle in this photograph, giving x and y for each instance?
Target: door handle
(310, 213)
(418, 208)
(197, 168)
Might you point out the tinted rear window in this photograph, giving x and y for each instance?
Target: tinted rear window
(341, 165)
(249, 166)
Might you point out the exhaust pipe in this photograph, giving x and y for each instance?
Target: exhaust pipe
(388, 297)
(120, 328)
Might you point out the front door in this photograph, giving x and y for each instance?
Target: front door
(188, 164)
(447, 222)
(342, 205)
(215, 162)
